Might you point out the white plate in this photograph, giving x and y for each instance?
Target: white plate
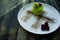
(51, 12)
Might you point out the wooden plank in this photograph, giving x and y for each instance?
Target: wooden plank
(12, 34)
(21, 34)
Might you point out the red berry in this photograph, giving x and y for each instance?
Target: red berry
(45, 26)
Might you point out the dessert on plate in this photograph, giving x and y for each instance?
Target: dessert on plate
(37, 10)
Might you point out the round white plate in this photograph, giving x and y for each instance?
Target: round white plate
(51, 12)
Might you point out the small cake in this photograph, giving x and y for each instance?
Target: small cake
(37, 8)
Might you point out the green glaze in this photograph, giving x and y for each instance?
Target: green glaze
(37, 9)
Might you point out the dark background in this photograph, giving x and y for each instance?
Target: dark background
(10, 28)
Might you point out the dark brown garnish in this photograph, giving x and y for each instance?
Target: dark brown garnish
(30, 12)
(50, 19)
(40, 4)
(27, 16)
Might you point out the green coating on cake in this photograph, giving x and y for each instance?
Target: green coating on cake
(37, 8)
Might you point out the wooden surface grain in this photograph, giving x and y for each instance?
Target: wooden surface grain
(10, 29)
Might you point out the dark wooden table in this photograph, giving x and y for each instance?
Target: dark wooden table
(10, 28)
